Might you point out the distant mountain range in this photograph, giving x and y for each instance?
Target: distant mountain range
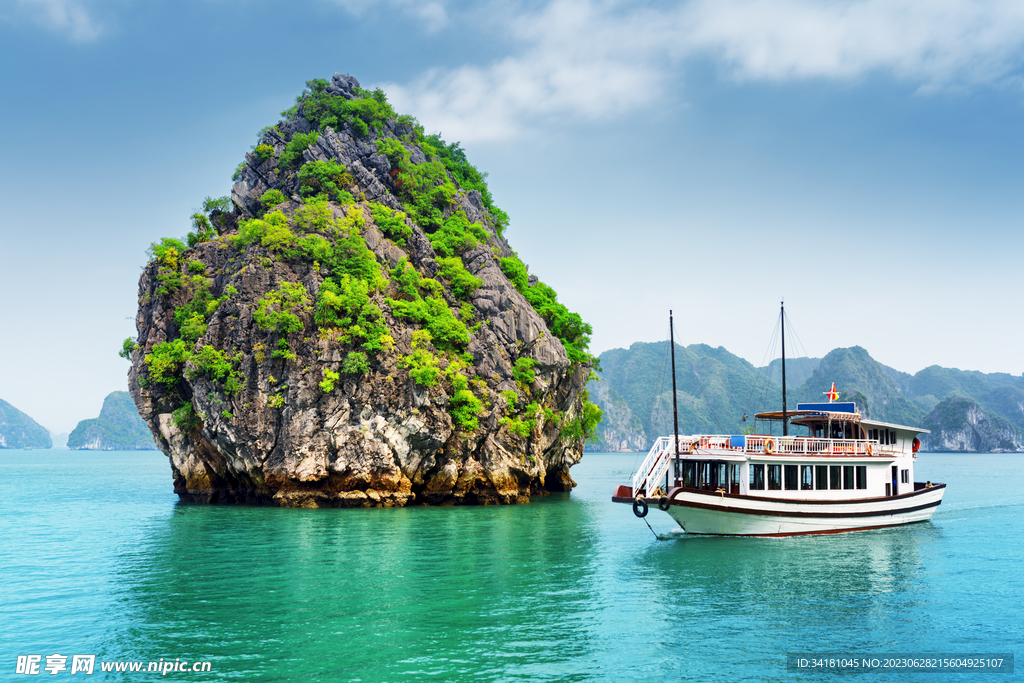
(965, 410)
(118, 428)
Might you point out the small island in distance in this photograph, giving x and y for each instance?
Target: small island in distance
(118, 428)
(18, 430)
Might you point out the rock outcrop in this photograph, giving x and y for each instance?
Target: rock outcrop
(620, 430)
(356, 331)
(118, 428)
(18, 430)
(959, 424)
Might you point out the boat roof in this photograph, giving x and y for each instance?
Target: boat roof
(802, 414)
(805, 414)
(876, 423)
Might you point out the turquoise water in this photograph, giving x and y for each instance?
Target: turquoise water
(100, 558)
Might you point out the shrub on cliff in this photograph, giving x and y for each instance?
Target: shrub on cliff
(349, 296)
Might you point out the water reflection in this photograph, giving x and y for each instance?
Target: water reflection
(568, 588)
(767, 597)
(340, 594)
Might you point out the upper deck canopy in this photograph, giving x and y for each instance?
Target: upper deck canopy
(837, 412)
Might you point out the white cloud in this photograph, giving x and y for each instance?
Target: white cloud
(595, 59)
(578, 60)
(934, 42)
(432, 13)
(67, 17)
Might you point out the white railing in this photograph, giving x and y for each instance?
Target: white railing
(655, 464)
(658, 459)
(803, 445)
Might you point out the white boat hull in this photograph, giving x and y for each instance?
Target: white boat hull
(702, 512)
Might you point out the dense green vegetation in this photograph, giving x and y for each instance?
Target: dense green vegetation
(640, 377)
(563, 323)
(349, 306)
(368, 111)
(326, 179)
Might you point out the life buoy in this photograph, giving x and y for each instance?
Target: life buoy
(769, 446)
(917, 444)
(640, 507)
(663, 504)
(869, 449)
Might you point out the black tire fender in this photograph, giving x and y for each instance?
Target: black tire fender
(663, 504)
(640, 507)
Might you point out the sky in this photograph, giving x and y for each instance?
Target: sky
(860, 159)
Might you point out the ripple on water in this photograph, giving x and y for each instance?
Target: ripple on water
(571, 587)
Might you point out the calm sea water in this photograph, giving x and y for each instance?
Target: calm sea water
(98, 557)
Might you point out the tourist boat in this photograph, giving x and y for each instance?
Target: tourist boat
(848, 473)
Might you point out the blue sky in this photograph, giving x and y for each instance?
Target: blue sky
(861, 159)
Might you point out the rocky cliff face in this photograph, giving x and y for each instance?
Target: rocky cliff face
(620, 430)
(118, 428)
(959, 424)
(356, 331)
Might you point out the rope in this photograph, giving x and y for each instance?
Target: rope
(806, 355)
(759, 373)
(701, 386)
(657, 388)
(767, 374)
(650, 414)
(651, 528)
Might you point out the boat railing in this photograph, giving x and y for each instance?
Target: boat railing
(656, 463)
(805, 445)
(658, 459)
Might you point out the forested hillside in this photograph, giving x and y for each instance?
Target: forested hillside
(965, 410)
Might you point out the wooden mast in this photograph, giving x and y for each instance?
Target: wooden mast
(675, 410)
(785, 422)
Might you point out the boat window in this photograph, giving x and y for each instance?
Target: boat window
(905, 476)
(703, 474)
(734, 479)
(806, 477)
(848, 476)
(835, 477)
(892, 438)
(791, 477)
(689, 474)
(774, 477)
(821, 477)
(721, 479)
(757, 477)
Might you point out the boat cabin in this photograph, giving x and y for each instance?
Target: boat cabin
(839, 456)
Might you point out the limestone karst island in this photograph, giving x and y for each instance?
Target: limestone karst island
(351, 328)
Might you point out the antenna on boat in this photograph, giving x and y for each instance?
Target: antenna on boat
(675, 410)
(782, 316)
